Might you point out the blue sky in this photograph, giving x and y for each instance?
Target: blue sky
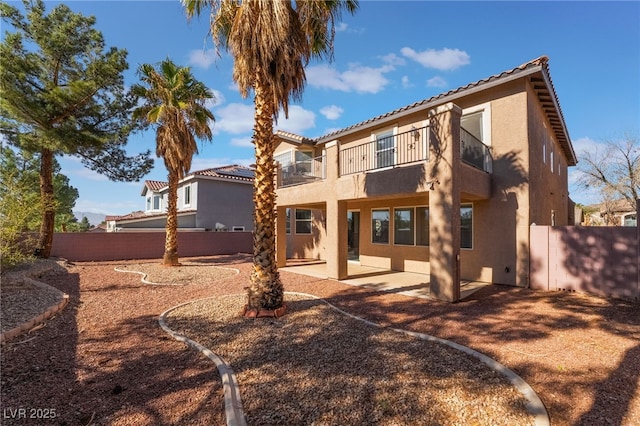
(389, 54)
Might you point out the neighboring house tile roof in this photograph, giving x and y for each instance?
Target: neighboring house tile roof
(232, 172)
(143, 215)
(155, 185)
(544, 89)
(132, 215)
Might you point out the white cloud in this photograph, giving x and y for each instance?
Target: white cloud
(341, 26)
(299, 120)
(332, 112)
(585, 144)
(443, 60)
(436, 82)
(242, 142)
(218, 99)
(393, 60)
(357, 78)
(202, 58)
(234, 118)
(405, 82)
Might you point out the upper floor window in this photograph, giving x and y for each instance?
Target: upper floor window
(187, 195)
(303, 161)
(385, 149)
(154, 202)
(472, 123)
(477, 121)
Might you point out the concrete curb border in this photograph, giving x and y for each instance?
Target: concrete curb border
(48, 313)
(145, 275)
(534, 404)
(232, 401)
(233, 404)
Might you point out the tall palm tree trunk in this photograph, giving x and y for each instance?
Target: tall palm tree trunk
(48, 205)
(265, 292)
(171, 242)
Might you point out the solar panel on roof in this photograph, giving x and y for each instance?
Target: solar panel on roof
(243, 173)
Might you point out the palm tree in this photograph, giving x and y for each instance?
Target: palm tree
(271, 42)
(173, 101)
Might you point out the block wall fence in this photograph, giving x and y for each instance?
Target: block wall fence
(89, 246)
(603, 260)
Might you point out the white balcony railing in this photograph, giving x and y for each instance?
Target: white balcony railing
(301, 172)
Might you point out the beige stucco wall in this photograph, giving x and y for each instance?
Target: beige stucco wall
(504, 204)
(549, 189)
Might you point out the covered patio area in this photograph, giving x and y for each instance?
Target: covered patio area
(405, 283)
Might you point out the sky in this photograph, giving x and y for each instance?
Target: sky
(388, 55)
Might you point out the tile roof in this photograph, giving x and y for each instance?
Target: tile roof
(155, 185)
(231, 172)
(544, 89)
(142, 215)
(132, 215)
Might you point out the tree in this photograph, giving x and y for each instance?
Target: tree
(61, 92)
(613, 168)
(20, 189)
(174, 101)
(271, 43)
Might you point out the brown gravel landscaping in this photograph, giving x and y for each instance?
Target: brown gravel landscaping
(105, 361)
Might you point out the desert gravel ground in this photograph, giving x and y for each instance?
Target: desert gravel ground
(104, 360)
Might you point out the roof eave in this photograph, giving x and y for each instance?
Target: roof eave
(429, 104)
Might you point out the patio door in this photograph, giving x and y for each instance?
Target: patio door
(385, 149)
(353, 235)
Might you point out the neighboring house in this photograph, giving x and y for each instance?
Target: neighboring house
(611, 213)
(216, 199)
(447, 186)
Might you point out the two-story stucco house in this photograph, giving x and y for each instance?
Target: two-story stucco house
(216, 199)
(447, 186)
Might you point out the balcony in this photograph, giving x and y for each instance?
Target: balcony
(403, 148)
(305, 171)
(385, 152)
(474, 153)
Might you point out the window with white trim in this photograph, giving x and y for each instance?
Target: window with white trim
(288, 220)
(403, 226)
(466, 226)
(154, 202)
(187, 195)
(380, 226)
(385, 149)
(477, 121)
(303, 221)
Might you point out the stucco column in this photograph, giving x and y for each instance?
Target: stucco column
(281, 236)
(336, 253)
(337, 239)
(444, 202)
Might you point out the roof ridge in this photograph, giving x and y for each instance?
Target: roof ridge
(539, 61)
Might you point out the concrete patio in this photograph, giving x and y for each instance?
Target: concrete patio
(405, 283)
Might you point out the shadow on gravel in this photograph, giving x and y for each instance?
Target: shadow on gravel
(44, 359)
(101, 361)
(316, 372)
(587, 337)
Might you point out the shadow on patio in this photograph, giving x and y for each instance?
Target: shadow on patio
(405, 283)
